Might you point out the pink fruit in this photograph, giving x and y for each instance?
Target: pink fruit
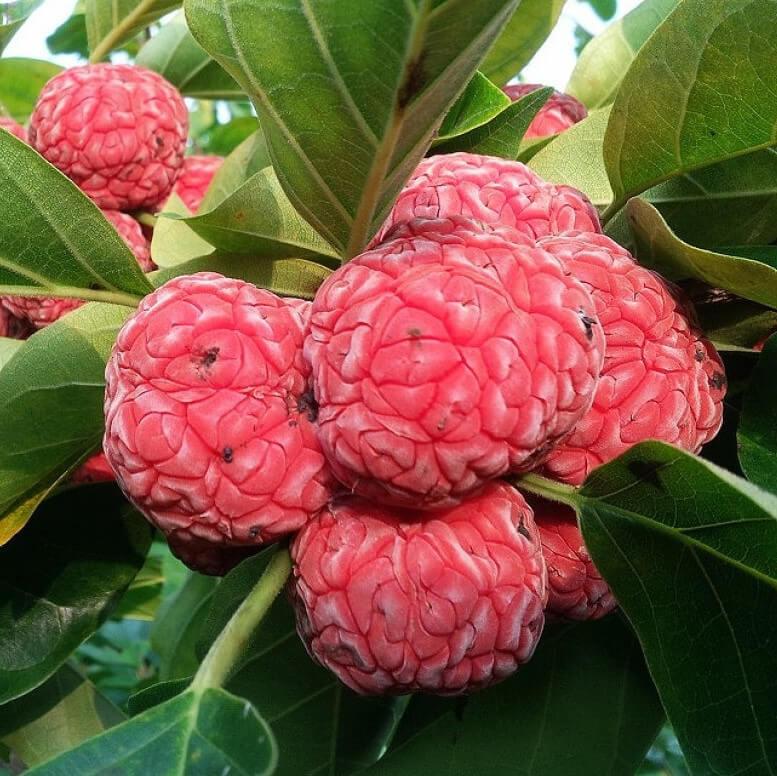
(393, 603)
(209, 426)
(13, 128)
(558, 114)
(433, 376)
(94, 469)
(494, 191)
(40, 311)
(661, 379)
(575, 586)
(195, 178)
(118, 131)
(13, 327)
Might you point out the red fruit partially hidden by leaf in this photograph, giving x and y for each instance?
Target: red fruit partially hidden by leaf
(558, 114)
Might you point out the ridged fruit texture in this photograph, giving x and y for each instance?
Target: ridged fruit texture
(576, 589)
(433, 375)
(13, 127)
(661, 378)
(558, 114)
(118, 131)
(392, 603)
(494, 191)
(41, 311)
(208, 422)
(195, 178)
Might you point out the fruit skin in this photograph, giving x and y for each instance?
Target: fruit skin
(41, 311)
(392, 603)
(576, 589)
(208, 423)
(433, 376)
(661, 378)
(196, 175)
(94, 469)
(14, 128)
(494, 191)
(558, 114)
(118, 131)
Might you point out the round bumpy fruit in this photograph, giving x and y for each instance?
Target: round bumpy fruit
(14, 128)
(195, 178)
(558, 114)
(118, 131)
(661, 379)
(433, 375)
(393, 603)
(40, 311)
(576, 590)
(208, 422)
(494, 191)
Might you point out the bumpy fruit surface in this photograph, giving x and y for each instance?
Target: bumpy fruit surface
(558, 114)
(433, 376)
(494, 191)
(40, 311)
(661, 379)
(576, 590)
(118, 131)
(13, 127)
(392, 603)
(94, 469)
(196, 175)
(207, 418)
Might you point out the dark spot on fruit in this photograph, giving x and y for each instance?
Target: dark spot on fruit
(414, 80)
(441, 423)
(307, 405)
(521, 528)
(159, 141)
(209, 357)
(254, 531)
(227, 454)
(414, 332)
(718, 381)
(589, 324)
(647, 471)
(699, 355)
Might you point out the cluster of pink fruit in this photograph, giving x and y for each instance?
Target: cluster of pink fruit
(491, 329)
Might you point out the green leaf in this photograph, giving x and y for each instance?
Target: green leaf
(108, 25)
(480, 102)
(604, 8)
(365, 108)
(11, 18)
(258, 219)
(735, 324)
(21, 81)
(206, 733)
(174, 241)
(606, 59)
(60, 714)
(757, 433)
(694, 95)
(223, 139)
(144, 595)
(174, 54)
(55, 241)
(155, 694)
(51, 407)
(659, 249)
(8, 349)
(526, 31)
(60, 578)
(532, 723)
(503, 135)
(70, 37)
(690, 551)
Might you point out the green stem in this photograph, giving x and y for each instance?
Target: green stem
(116, 35)
(147, 219)
(549, 489)
(231, 643)
(72, 292)
(614, 208)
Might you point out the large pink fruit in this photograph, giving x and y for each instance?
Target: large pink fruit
(195, 178)
(661, 378)
(393, 603)
(118, 131)
(209, 427)
(434, 376)
(494, 191)
(13, 127)
(558, 114)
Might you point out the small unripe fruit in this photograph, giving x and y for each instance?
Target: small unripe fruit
(13, 127)
(94, 469)
(558, 114)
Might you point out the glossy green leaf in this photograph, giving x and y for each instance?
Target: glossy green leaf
(531, 724)
(503, 135)
(55, 241)
(526, 31)
(51, 404)
(8, 349)
(344, 144)
(144, 595)
(108, 25)
(480, 102)
(199, 734)
(694, 95)
(690, 552)
(61, 577)
(606, 59)
(12, 17)
(174, 54)
(60, 714)
(223, 139)
(174, 241)
(757, 433)
(258, 219)
(70, 37)
(660, 249)
(735, 323)
(21, 81)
